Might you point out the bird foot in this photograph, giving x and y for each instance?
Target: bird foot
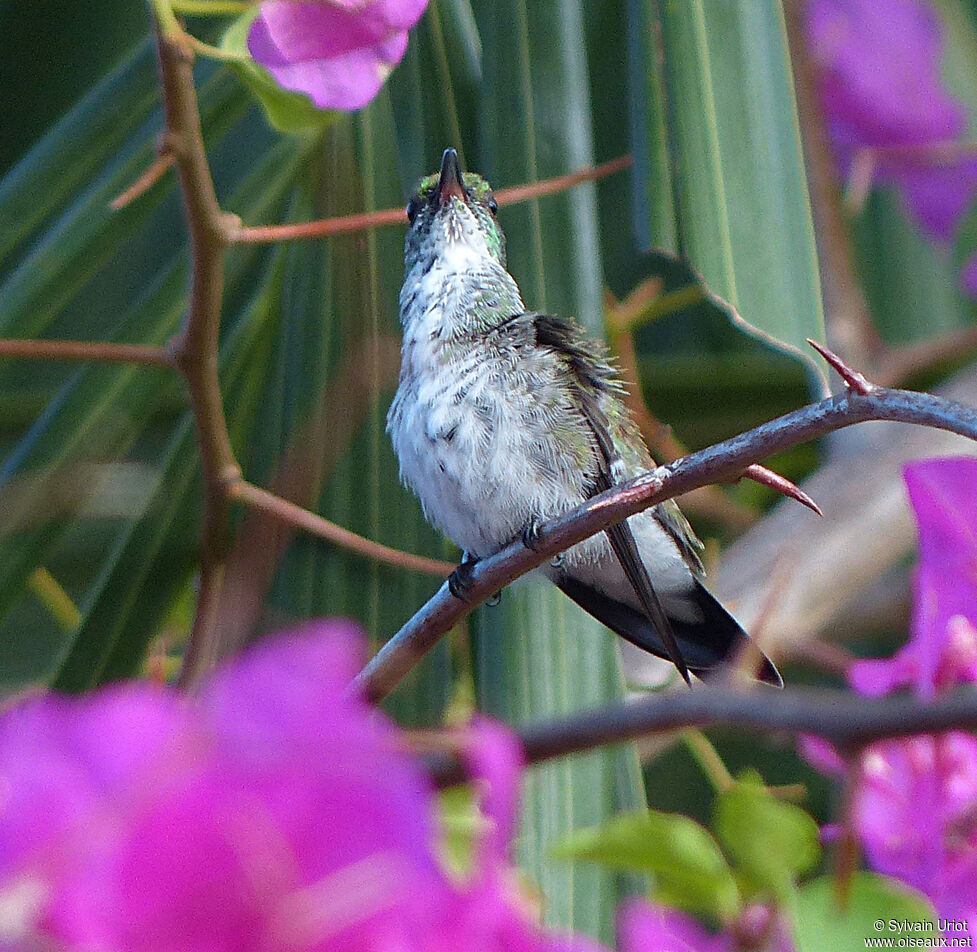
(460, 580)
(531, 533)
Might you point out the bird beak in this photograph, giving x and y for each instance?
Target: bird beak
(450, 184)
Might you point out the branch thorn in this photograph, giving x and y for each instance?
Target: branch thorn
(767, 477)
(853, 379)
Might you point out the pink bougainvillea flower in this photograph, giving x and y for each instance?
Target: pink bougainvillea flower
(915, 813)
(878, 64)
(968, 276)
(276, 812)
(942, 650)
(645, 927)
(338, 52)
(915, 803)
(648, 927)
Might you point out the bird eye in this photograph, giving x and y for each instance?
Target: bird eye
(412, 209)
(493, 205)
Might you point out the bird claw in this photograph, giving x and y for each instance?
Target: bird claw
(460, 580)
(531, 533)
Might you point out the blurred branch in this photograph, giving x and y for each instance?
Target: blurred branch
(259, 234)
(87, 351)
(154, 172)
(850, 721)
(850, 328)
(195, 353)
(723, 462)
(311, 456)
(195, 349)
(865, 163)
(316, 525)
(900, 363)
(709, 501)
(807, 577)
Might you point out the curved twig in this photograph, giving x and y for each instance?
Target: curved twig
(722, 462)
(849, 720)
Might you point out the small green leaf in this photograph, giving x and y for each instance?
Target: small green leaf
(286, 111)
(770, 842)
(689, 868)
(461, 821)
(876, 907)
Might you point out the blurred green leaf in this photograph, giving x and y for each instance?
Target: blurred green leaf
(91, 134)
(686, 864)
(770, 842)
(287, 111)
(461, 823)
(536, 654)
(824, 924)
(68, 254)
(739, 191)
(911, 282)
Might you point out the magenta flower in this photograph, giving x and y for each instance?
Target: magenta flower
(644, 927)
(338, 52)
(968, 276)
(942, 650)
(648, 927)
(278, 812)
(880, 85)
(915, 802)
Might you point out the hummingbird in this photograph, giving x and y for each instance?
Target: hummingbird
(505, 417)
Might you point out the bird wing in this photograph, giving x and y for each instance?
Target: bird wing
(589, 375)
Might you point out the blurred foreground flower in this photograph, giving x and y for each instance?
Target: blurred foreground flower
(648, 927)
(878, 65)
(337, 52)
(276, 812)
(915, 802)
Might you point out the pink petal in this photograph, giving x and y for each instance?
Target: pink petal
(337, 54)
(349, 81)
(881, 85)
(968, 276)
(495, 761)
(645, 927)
(821, 754)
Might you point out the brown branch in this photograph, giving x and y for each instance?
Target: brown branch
(195, 350)
(291, 514)
(850, 721)
(83, 350)
(164, 161)
(369, 365)
(260, 234)
(522, 193)
(900, 363)
(723, 462)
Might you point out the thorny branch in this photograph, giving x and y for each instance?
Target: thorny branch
(719, 463)
(195, 349)
(849, 721)
(193, 352)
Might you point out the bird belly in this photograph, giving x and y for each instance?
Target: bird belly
(476, 445)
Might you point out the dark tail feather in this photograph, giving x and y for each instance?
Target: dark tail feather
(713, 642)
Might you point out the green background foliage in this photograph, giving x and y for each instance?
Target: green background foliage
(99, 475)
